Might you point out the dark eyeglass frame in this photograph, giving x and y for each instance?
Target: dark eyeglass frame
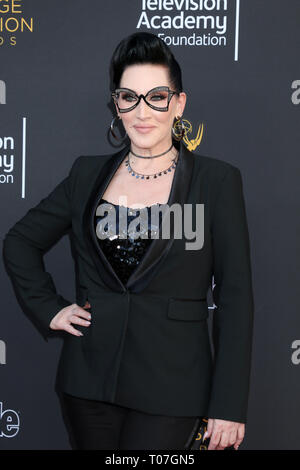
(115, 93)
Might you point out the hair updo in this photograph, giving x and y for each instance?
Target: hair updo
(144, 48)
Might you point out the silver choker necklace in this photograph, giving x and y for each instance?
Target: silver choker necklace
(151, 156)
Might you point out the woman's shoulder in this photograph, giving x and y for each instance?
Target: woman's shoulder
(215, 168)
(92, 159)
(87, 163)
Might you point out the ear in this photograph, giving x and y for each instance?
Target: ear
(181, 102)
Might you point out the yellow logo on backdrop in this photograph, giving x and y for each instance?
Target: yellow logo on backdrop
(191, 144)
(12, 21)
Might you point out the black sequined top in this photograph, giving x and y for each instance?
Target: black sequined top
(124, 254)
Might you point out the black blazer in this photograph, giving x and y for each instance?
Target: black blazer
(148, 343)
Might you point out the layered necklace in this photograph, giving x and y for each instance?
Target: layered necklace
(154, 175)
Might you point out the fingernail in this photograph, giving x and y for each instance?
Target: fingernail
(205, 434)
(81, 334)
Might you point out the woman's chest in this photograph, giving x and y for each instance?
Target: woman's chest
(136, 192)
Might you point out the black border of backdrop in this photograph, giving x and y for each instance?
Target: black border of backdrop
(243, 84)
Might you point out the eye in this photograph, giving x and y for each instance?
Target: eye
(128, 97)
(158, 96)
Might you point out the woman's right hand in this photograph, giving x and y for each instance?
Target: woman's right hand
(71, 314)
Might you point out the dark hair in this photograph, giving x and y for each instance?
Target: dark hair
(143, 48)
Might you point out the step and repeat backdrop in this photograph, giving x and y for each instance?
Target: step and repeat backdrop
(240, 69)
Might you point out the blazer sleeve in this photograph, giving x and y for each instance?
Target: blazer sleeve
(24, 246)
(233, 316)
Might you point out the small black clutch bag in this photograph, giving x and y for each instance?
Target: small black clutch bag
(196, 441)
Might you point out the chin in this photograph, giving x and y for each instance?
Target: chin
(144, 141)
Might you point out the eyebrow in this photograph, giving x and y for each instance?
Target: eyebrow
(159, 86)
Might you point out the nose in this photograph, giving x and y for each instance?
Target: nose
(142, 109)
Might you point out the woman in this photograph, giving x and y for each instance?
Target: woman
(136, 370)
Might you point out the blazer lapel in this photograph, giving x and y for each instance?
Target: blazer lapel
(159, 247)
(103, 266)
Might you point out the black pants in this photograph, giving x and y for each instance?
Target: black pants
(99, 425)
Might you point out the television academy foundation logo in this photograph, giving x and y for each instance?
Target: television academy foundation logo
(7, 146)
(191, 144)
(200, 23)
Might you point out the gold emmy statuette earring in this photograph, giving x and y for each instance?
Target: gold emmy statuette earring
(113, 132)
(178, 128)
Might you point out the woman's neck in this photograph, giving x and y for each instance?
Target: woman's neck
(152, 165)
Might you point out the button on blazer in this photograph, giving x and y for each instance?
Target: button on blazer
(148, 346)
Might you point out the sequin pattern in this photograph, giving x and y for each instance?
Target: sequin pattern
(123, 248)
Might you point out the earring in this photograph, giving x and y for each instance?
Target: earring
(112, 130)
(178, 129)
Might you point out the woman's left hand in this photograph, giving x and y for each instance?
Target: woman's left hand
(224, 433)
